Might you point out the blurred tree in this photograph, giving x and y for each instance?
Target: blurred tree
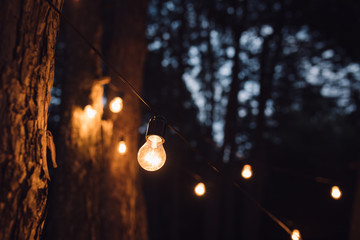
(97, 193)
(75, 204)
(28, 31)
(290, 105)
(124, 212)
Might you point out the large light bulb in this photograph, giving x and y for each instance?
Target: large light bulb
(335, 192)
(116, 105)
(295, 235)
(200, 189)
(151, 155)
(246, 171)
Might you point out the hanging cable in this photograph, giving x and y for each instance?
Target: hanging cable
(177, 132)
(246, 194)
(113, 68)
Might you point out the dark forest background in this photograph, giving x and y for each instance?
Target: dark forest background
(274, 84)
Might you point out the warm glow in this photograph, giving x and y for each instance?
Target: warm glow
(295, 235)
(200, 189)
(335, 192)
(122, 147)
(151, 155)
(116, 105)
(90, 111)
(246, 171)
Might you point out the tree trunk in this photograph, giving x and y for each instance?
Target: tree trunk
(231, 115)
(355, 218)
(124, 209)
(75, 206)
(98, 193)
(231, 125)
(28, 35)
(268, 59)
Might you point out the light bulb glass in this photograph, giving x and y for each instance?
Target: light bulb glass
(151, 155)
(335, 192)
(200, 189)
(116, 105)
(295, 235)
(122, 147)
(246, 171)
(90, 111)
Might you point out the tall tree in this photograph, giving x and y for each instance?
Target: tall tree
(97, 191)
(28, 31)
(124, 209)
(75, 211)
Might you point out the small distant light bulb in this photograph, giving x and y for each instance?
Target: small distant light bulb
(90, 111)
(246, 171)
(122, 147)
(116, 105)
(200, 189)
(151, 155)
(295, 235)
(336, 192)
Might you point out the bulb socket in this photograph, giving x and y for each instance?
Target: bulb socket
(157, 126)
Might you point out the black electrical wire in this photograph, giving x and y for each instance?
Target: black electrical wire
(111, 67)
(177, 132)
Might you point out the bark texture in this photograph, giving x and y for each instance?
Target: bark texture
(28, 35)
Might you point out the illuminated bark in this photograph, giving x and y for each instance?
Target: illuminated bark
(28, 35)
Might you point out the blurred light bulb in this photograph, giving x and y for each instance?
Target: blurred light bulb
(122, 147)
(90, 111)
(200, 189)
(116, 105)
(151, 155)
(295, 235)
(335, 192)
(246, 171)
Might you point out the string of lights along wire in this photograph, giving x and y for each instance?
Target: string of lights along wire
(152, 156)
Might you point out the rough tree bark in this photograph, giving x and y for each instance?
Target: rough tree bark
(28, 35)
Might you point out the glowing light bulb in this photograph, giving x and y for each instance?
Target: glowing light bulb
(90, 111)
(246, 171)
(116, 105)
(122, 147)
(295, 235)
(151, 155)
(335, 192)
(200, 189)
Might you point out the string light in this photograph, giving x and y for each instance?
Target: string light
(90, 111)
(122, 147)
(336, 192)
(246, 171)
(116, 105)
(200, 189)
(151, 155)
(295, 235)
